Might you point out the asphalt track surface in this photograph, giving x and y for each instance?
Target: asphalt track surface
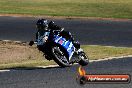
(64, 77)
(98, 32)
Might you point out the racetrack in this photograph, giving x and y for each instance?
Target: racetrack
(97, 32)
(64, 77)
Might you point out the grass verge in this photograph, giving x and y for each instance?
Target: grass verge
(14, 55)
(81, 8)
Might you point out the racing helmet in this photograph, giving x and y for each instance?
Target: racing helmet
(42, 24)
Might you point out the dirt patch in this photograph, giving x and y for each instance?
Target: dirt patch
(12, 52)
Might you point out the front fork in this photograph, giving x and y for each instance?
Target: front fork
(75, 58)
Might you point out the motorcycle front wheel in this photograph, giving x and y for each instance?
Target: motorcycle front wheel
(84, 60)
(60, 57)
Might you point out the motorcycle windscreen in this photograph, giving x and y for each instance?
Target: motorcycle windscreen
(66, 44)
(42, 39)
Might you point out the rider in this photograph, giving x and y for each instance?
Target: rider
(43, 26)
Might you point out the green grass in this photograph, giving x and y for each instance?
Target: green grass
(17, 55)
(99, 52)
(81, 8)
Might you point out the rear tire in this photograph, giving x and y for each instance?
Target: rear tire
(84, 59)
(60, 57)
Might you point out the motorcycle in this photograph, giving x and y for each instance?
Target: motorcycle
(60, 49)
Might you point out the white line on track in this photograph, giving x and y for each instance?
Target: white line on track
(48, 66)
(4, 70)
(110, 58)
(105, 59)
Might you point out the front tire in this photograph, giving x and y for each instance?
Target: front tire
(60, 57)
(84, 59)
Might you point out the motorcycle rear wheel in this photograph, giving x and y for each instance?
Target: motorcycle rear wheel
(60, 57)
